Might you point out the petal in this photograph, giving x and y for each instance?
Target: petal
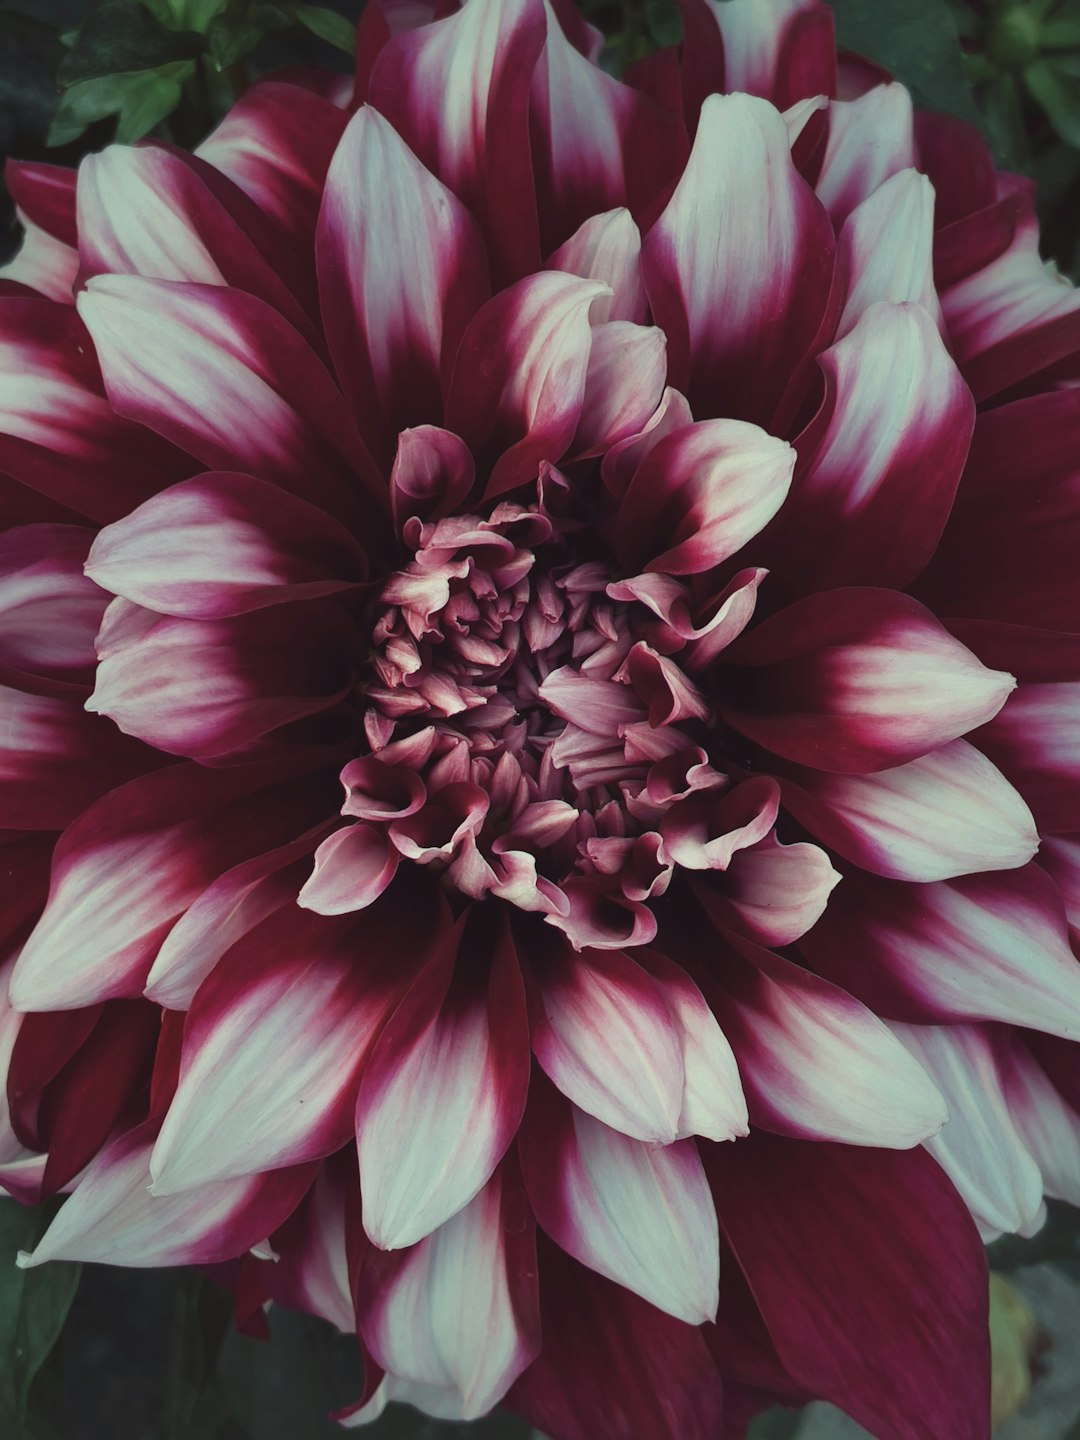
(611, 1364)
(781, 49)
(273, 1047)
(870, 1277)
(153, 211)
(623, 385)
(223, 544)
(1048, 1127)
(128, 867)
(453, 1320)
(772, 893)
(55, 759)
(46, 195)
(947, 813)
(58, 434)
(886, 249)
(433, 472)
(739, 270)
(221, 374)
(596, 143)
(519, 379)
(457, 91)
(603, 1032)
(210, 688)
(980, 947)
(816, 1063)
(860, 680)
(713, 1104)
(353, 867)
(225, 912)
(402, 271)
(443, 1095)
(276, 143)
(700, 494)
(607, 248)
(1013, 317)
(879, 465)
(1009, 551)
(43, 264)
(853, 169)
(50, 611)
(639, 1214)
(113, 1219)
(979, 1149)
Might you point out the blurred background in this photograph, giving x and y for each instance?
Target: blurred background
(129, 1355)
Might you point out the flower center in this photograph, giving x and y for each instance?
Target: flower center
(532, 733)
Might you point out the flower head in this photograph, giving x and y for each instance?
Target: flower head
(539, 626)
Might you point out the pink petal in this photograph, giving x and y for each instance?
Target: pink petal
(607, 248)
(639, 1214)
(1048, 1127)
(704, 831)
(223, 544)
(851, 169)
(603, 1032)
(276, 143)
(43, 264)
(980, 947)
(402, 271)
(433, 472)
(113, 1219)
(153, 211)
(209, 688)
(442, 1096)
(886, 249)
(780, 49)
(457, 91)
(50, 611)
(128, 867)
(623, 385)
(58, 433)
(55, 759)
(870, 1277)
(947, 813)
(312, 1273)
(353, 867)
(225, 912)
(273, 1048)
(612, 1364)
(1013, 316)
(816, 1063)
(453, 1320)
(860, 680)
(519, 379)
(596, 143)
(700, 494)
(880, 462)
(772, 893)
(739, 266)
(713, 1104)
(46, 195)
(222, 374)
(1010, 556)
(980, 1148)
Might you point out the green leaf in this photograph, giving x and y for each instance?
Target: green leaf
(328, 25)
(230, 39)
(120, 37)
(1004, 121)
(914, 39)
(141, 99)
(33, 1306)
(196, 1405)
(1058, 95)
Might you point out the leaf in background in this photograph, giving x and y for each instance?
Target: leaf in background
(284, 1387)
(776, 1424)
(230, 38)
(141, 98)
(196, 1404)
(914, 39)
(33, 1307)
(1058, 94)
(123, 36)
(328, 25)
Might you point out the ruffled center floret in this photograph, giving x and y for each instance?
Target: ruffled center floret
(533, 735)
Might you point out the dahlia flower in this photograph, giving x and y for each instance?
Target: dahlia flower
(541, 642)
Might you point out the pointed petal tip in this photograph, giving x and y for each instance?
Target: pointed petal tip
(26, 1259)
